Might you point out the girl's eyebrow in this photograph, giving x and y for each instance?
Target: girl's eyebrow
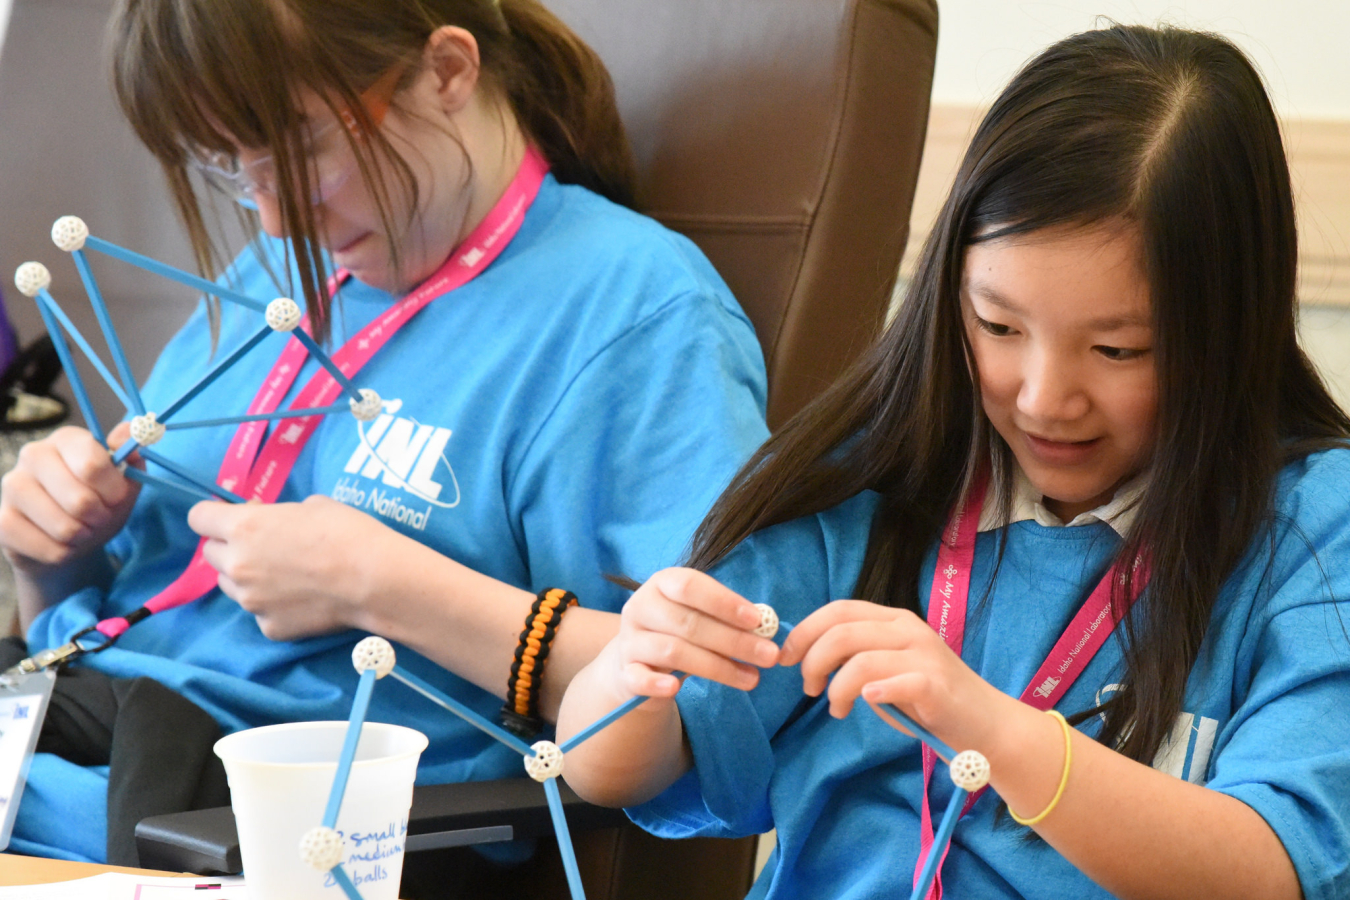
(1115, 323)
(994, 297)
(991, 295)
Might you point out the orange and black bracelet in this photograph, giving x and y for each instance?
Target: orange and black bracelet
(520, 715)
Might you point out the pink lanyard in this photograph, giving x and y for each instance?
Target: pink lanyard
(263, 478)
(1071, 654)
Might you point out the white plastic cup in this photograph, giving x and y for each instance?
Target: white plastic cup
(280, 777)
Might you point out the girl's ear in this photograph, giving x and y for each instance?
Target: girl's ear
(452, 54)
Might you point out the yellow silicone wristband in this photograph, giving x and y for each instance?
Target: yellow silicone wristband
(1063, 779)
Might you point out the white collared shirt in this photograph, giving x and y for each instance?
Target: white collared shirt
(1027, 503)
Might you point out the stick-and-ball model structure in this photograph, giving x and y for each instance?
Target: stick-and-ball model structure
(322, 847)
(148, 427)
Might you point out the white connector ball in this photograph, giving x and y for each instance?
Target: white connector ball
(369, 408)
(374, 653)
(32, 277)
(283, 314)
(69, 233)
(970, 770)
(322, 849)
(768, 621)
(546, 763)
(146, 430)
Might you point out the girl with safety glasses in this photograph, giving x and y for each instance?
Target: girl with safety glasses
(568, 410)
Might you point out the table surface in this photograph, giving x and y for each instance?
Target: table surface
(20, 870)
(16, 870)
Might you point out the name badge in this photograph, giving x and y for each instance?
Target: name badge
(23, 705)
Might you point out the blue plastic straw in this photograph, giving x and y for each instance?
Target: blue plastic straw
(258, 417)
(214, 490)
(462, 711)
(340, 876)
(326, 361)
(190, 490)
(569, 856)
(941, 749)
(940, 842)
(121, 453)
(72, 374)
(109, 332)
(360, 706)
(606, 720)
(218, 370)
(46, 299)
(178, 275)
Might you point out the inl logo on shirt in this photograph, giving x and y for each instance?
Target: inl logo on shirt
(406, 455)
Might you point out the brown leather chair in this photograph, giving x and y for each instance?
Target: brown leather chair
(784, 138)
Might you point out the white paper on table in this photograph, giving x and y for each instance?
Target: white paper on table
(119, 886)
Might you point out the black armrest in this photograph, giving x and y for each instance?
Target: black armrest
(203, 842)
(443, 815)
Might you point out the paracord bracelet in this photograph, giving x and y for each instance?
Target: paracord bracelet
(520, 714)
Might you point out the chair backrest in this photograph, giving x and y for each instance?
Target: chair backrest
(784, 138)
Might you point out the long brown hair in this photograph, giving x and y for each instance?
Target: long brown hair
(190, 72)
(1171, 131)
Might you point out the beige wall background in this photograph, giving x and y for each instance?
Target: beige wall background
(1298, 44)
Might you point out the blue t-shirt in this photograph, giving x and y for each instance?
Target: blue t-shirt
(1266, 714)
(570, 413)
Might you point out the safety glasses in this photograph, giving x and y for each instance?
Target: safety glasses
(328, 148)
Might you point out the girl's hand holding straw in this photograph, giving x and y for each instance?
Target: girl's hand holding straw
(685, 621)
(63, 500)
(853, 648)
(680, 622)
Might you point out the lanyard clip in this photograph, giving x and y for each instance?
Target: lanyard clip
(55, 657)
(45, 659)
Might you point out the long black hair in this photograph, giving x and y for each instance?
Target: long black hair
(1170, 132)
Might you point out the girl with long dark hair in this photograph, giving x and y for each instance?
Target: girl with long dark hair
(1087, 469)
